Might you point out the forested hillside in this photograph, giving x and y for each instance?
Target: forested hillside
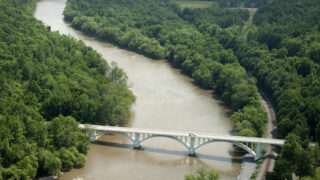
(45, 76)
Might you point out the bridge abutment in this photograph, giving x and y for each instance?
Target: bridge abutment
(93, 136)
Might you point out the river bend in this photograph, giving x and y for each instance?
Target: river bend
(166, 99)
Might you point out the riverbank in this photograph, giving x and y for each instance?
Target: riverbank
(248, 167)
(269, 157)
(166, 99)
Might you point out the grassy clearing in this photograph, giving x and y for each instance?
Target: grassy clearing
(194, 4)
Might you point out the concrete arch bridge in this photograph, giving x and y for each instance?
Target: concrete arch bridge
(191, 140)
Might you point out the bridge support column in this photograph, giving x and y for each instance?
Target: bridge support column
(191, 147)
(258, 151)
(136, 143)
(93, 136)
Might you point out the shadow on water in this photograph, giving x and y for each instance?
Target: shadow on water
(169, 152)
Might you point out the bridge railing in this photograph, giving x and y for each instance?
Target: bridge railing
(221, 137)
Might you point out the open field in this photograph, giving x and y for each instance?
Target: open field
(194, 4)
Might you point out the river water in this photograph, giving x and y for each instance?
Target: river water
(166, 99)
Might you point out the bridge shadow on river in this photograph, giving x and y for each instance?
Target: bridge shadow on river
(169, 152)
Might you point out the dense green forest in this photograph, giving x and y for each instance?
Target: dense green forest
(205, 18)
(237, 3)
(48, 82)
(155, 28)
(45, 76)
(282, 52)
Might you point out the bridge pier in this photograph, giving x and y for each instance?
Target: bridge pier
(191, 146)
(93, 135)
(136, 144)
(258, 151)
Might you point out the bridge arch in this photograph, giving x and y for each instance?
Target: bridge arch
(239, 144)
(170, 137)
(185, 144)
(127, 136)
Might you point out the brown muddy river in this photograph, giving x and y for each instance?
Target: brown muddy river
(166, 99)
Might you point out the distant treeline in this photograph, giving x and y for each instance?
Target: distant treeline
(45, 76)
(238, 3)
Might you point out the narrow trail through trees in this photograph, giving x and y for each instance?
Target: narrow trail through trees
(247, 25)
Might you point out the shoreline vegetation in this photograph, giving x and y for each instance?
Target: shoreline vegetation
(158, 30)
(45, 76)
(281, 49)
(248, 118)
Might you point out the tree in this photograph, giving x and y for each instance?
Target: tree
(202, 174)
(313, 117)
(249, 121)
(242, 94)
(294, 46)
(317, 131)
(305, 163)
(231, 75)
(203, 76)
(64, 132)
(71, 158)
(49, 163)
(285, 126)
(68, 159)
(117, 75)
(300, 159)
(315, 52)
(282, 171)
(304, 66)
(291, 147)
(247, 132)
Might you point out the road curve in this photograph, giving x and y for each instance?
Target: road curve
(270, 155)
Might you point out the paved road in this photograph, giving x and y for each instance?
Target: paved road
(219, 137)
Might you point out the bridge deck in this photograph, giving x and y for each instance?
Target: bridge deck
(218, 137)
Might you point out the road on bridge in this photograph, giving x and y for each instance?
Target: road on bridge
(191, 140)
